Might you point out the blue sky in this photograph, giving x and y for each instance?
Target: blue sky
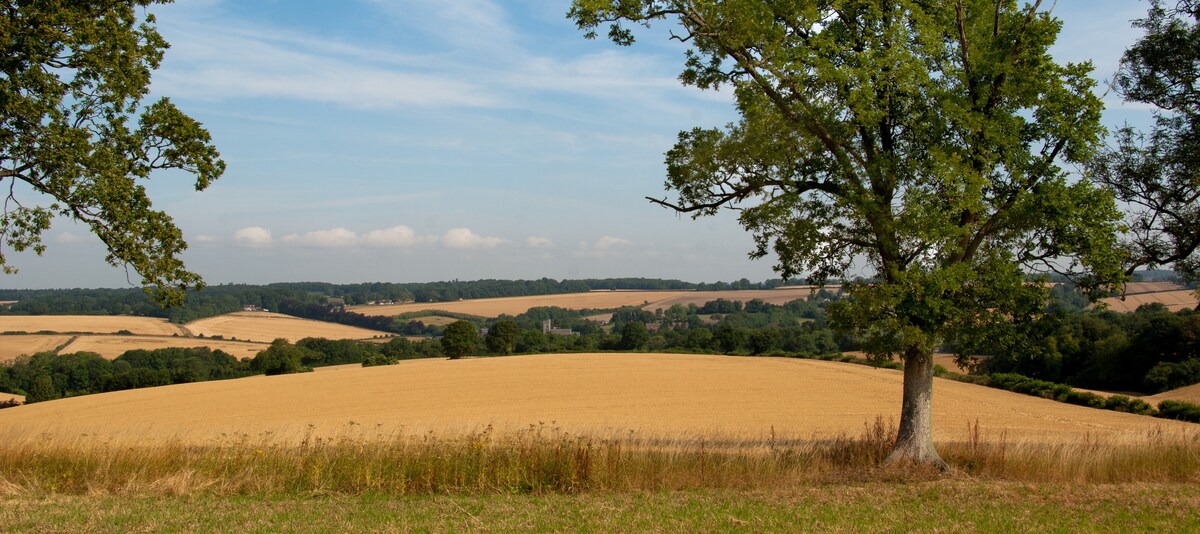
(421, 140)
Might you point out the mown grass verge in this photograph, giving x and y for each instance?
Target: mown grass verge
(941, 506)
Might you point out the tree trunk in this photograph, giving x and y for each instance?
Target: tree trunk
(914, 442)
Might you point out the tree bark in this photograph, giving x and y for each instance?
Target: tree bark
(914, 441)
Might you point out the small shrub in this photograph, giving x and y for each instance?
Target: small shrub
(1179, 410)
(9, 403)
(379, 359)
(1085, 398)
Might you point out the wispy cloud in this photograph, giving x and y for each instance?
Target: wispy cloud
(538, 242)
(210, 61)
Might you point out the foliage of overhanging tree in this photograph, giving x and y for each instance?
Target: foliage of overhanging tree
(1157, 172)
(75, 134)
(924, 141)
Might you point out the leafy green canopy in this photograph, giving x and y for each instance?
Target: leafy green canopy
(72, 79)
(1157, 172)
(927, 142)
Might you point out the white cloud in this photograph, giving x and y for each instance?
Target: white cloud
(68, 238)
(334, 238)
(202, 238)
(464, 238)
(253, 236)
(395, 237)
(607, 242)
(603, 247)
(538, 242)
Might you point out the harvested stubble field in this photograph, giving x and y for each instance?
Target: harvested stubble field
(721, 397)
(648, 300)
(13, 346)
(89, 324)
(113, 346)
(671, 442)
(266, 327)
(1171, 295)
(1186, 394)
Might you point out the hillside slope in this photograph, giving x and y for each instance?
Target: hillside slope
(653, 394)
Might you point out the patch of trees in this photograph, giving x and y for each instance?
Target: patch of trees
(798, 328)
(1151, 350)
(46, 376)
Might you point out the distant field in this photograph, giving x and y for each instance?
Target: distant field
(592, 300)
(10, 396)
(266, 327)
(651, 394)
(1173, 296)
(1186, 394)
(90, 324)
(112, 346)
(436, 320)
(13, 346)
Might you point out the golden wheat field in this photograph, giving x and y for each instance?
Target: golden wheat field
(13, 346)
(649, 300)
(112, 346)
(266, 327)
(1186, 394)
(649, 394)
(5, 397)
(89, 324)
(1174, 296)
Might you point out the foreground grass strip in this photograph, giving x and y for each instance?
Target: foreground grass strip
(543, 461)
(954, 506)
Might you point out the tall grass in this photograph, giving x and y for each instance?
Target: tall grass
(543, 459)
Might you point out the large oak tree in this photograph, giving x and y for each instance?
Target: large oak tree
(76, 140)
(924, 143)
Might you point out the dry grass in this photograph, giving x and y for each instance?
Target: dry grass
(590, 394)
(593, 300)
(113, 346)
(544, 459)
(14, 346)
(90, 324)
(266, 327)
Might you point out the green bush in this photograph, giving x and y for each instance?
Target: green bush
(1085, 398)
(1121, 403)
(378, 359)
(1183, 411)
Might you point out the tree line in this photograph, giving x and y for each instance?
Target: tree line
(47, 376)
(226, 298)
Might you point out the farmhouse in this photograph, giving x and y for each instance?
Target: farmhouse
(548, 328)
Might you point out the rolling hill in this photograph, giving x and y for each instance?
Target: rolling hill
(650, 394)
